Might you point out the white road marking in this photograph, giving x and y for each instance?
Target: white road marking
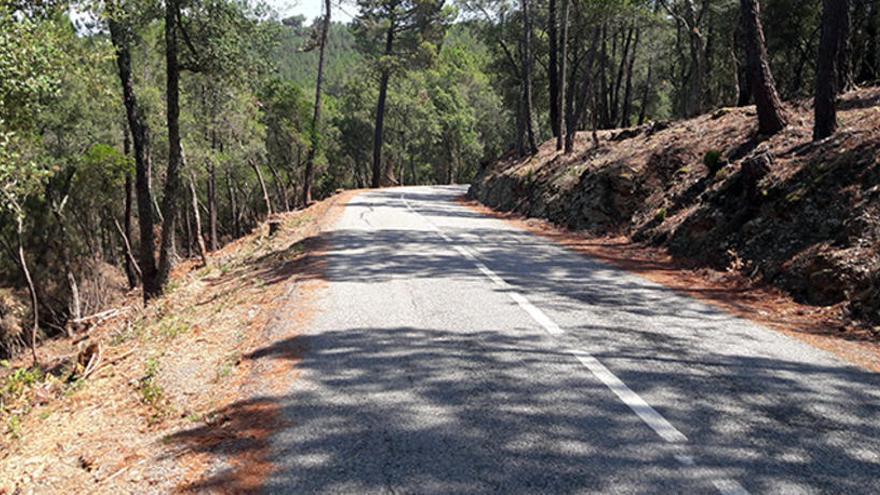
(642, 409)
(638, 405)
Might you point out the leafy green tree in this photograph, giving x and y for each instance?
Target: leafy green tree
(30, 75)
(397, 34)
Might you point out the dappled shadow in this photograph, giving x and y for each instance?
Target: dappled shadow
(859, 101)
(428, 410)
(238, 433)
(439, 406)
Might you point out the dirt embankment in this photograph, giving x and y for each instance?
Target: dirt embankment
(186, 392)
(783, 212)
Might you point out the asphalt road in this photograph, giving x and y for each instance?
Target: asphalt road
(454, 353)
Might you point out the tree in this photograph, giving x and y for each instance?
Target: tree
(173, 180)
(527, 80)
(554, 61)
(834, 18)
(559, 103)
(771, 118)
(30, 72)
(691, 18)
(316, 116)
(396, 34)
(121, 28)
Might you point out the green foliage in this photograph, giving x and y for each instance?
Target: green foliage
(713, 160)
(660, 216)
(151, 392)
(17, 384)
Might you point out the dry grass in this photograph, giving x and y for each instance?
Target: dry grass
(159, 418)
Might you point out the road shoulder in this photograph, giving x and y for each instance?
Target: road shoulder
(821, 327)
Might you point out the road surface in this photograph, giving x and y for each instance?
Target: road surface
(455, 353)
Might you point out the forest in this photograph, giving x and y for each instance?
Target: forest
(138, 133)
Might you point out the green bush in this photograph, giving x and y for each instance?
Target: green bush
(713, 161)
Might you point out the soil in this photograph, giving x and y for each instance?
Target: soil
(184, 399)
(782, 212)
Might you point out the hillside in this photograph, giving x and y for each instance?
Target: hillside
(174, 396)
(786, 212)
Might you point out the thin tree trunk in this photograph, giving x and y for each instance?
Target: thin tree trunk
(316, 117)
(520, 128)
(563, 62)
(603, 78)
(175, 152)
(868, 67)
(213, 242)
(844, 52)
(585, 94)
(646, 93)
(187, 229)
(618, 81)
(233, 206)
(131, 269)
(197, 222)
(626, 109)
(280, 189)
(527, 77)
(553, 72)
(126, 244)
(771, 116)
(833, 18)
(35, 303)
(380, 112)
(140, 133)
(265, 191)
(741, 74)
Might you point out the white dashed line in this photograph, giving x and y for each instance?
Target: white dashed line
(642, 409)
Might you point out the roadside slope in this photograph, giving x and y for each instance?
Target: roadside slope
(784, 212)
(165, 405)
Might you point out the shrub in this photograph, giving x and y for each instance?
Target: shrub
(713, 161)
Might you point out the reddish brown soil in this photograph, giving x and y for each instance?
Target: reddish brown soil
(215, 402)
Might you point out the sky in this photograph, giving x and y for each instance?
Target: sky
(312, 8)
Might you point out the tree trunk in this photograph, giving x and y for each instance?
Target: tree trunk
(559, 102)
(771, 116)
(172, 177)
(35, 303)
(527, 77)
(316, 116)
(213, 242)
(602, 106)
(585, 94)
(233, 206)
(646, 93)
(265, 191)
(868, 67)
(833, 19)
(618, 81)
(520, 128)
(197, 222)
(140, 134)
(626, 109)
(131, 269)
(553, 72)
(187, 229)
(129, 254)
(380, 112)
(844, 52)
(280, 188)
(740, 57)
